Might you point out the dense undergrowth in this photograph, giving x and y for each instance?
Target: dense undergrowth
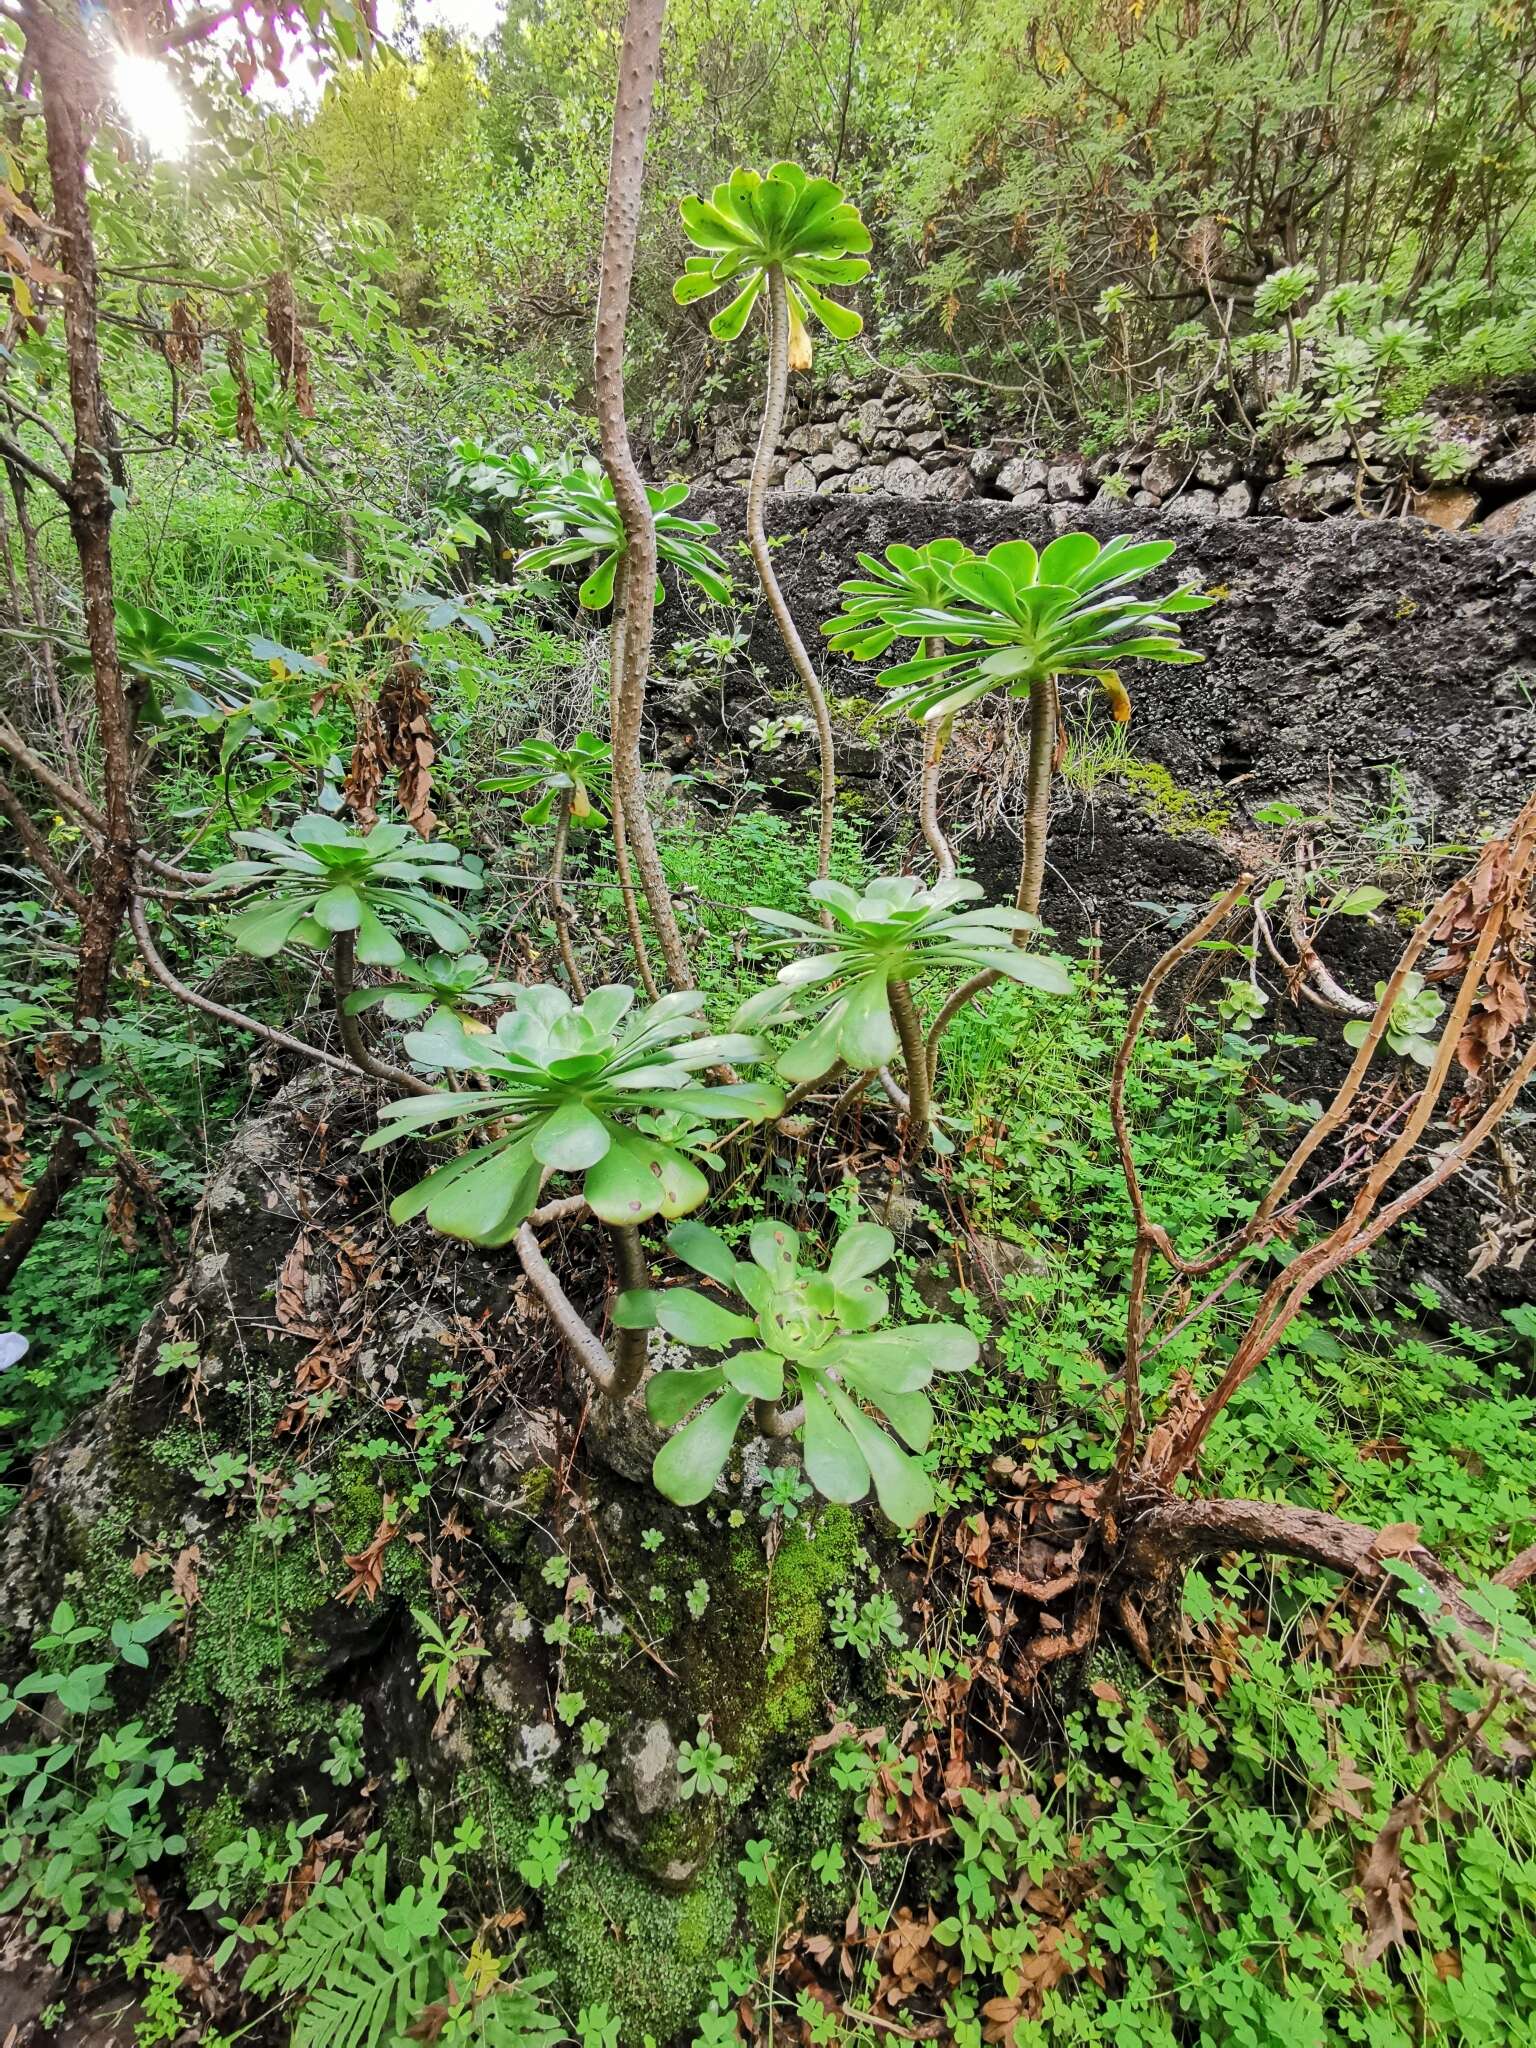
(361, 1685)
(1129, 1860)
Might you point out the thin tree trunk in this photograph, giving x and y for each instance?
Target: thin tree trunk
(631, 1348)
(46, 658)
(934, 736)
(66, 75)
(639, 60)
(557, 901)
(621, 859)
(1037, 799)
(353, 1037)
(914, 1052)
(1036, 826)
(774, 399)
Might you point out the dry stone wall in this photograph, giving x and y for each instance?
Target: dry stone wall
(916, 438)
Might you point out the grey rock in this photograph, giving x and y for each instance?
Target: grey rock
(728, 445)
(871, 418)
(905, 478)
(834, 486)
(1215, 469)
(735, 472)
(818, 437)
(1514, 465)
(1145, 500)
(1195, 504)
(521, 1441)
(1067, 481)
(1518, 516)
(1165, 473)
(951, 486)
(986, 464)
(1328, 448)
(1235, 502)
(800, 480)
(1022, 473)
(1312, 494)
(845, 454)
(1028, 499)
(649, 1764)
(925, 442)
(916, 413)
(890, 439)
(871, 477)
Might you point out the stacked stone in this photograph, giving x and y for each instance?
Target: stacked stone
(894, 435)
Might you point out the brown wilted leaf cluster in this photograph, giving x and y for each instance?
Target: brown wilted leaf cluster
(183, 344)
(247, 431)
(285, 336)
(1498, 900)
(405, 712)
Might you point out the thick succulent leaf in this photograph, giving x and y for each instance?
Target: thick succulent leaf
(834, 1463)
(1069, 556)
(338, 910)
(817, 1052)
(635, 1308)
(571, 1139)
(705, 1250)
(687, 1466)
(481, 1197)
(669, 1396)
(866, 1036)
(729, 322)
(694, 1319)
(776, 1249)
(757, 1373)
(446, 928)
(598, 588)
(863, 1248)
(842, 322)
(1044, 971)
(266, 929)
(639, 1179)
(902, 1487)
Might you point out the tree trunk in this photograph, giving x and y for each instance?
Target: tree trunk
(67, 85)
(639, 60)
(757, 539)
(557, 903)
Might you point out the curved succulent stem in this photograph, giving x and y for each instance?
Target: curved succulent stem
(757, 539)
(1037, 798)
(773, 1421)
(343, 981)
(639, 60)
(621, 857)
(221, 1012)
(584, 1344)
(1037, 821)
(934, 737)
(631, 1346)
(914, 1051)
(557, 901)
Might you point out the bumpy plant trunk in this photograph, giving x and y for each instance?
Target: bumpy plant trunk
(914, 1052)
(66, 73)
(1036, 823)
(1037, 798)
(557, 903)
(639, 60)
(935, 737)
(774, 398)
